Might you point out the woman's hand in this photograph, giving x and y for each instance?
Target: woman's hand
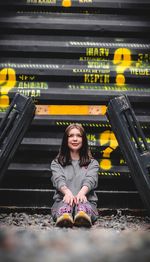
(81, 196)
(68, 198)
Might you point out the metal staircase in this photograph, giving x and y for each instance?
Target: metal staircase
(72, 58)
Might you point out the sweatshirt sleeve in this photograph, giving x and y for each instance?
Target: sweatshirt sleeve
(57, 178)
(91, 179)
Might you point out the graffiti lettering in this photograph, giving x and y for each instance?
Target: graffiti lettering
(104, 52)
(96, 78)
(140, 71)
(85, 1)
(41, 1)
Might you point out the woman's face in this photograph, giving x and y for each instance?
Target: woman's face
(74, 139)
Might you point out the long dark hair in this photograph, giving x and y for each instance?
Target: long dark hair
(64, 157)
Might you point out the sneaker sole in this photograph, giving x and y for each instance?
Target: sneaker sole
(64, 221)
(82, 220)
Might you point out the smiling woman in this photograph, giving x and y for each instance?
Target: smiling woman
(75, 176)
(74, 142)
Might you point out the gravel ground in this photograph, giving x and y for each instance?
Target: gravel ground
(117, 222)
(33, 237)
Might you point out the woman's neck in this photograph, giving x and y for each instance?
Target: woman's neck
(74, 155)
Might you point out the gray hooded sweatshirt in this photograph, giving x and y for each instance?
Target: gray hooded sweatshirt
(75, 177)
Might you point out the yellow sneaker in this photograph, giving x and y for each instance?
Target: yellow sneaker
(65, 220)
(82, 219)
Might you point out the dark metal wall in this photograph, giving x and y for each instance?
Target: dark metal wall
(80, 53)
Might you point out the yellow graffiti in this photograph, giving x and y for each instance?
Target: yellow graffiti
(143, 59)
(85, 1)
(35, 85)
(97, 78)
(7, 82)
(31, 92)
(122, 58)
(66, 3)
(140, 71)
(107, 138)
(41, 1)
(94, 51)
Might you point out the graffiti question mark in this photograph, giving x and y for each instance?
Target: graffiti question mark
(66, 3)
(7, 82)
(107, 137)
(122, 58)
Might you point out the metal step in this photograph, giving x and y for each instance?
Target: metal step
(100, 24)
(43, 198)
